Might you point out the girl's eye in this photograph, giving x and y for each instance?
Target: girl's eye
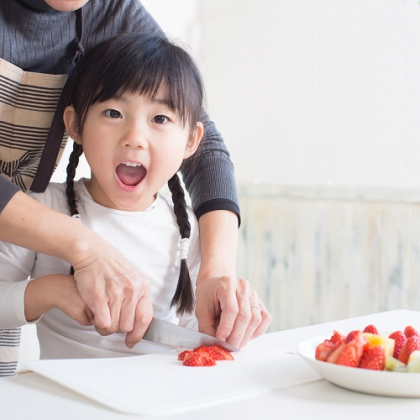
(160, 119)
(113, 113)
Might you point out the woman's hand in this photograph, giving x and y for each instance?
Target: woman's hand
(226, 307)
(116, 293)
(229, 309)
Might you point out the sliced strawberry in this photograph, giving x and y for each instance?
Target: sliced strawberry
(412, 343)
(337, 337)
(215, 352)
(334, 354)
(360, 341)
(373, 358)
(410, 332)
(193, 358)
(324, 349)
(181, 356)
(371, 329)
(348, 355)
(208, 351)
(400, 339)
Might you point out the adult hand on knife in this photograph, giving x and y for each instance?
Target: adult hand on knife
(116, 293)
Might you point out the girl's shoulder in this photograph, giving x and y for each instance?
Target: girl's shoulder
(53, 197)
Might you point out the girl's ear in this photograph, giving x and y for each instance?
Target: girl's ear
(194, 140)
(68, 117)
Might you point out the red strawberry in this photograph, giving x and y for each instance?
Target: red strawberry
(181, 356)
(215, 352)
(371, 329)
(337, 337)
(412, 343)
(360, 340)
(324, 349)
(410, 331)
(334, 354)
(400, 339)
(373, 358)
(193, 358)
(348, 355)
(224, 353)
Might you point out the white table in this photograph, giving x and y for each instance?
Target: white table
(30, 396)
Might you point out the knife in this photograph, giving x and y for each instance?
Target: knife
(164, 332)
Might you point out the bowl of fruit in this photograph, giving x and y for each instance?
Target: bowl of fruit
(367, 360)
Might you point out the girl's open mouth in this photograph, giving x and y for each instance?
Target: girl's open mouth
(130, 173)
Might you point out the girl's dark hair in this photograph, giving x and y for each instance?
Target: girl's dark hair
(139, 63)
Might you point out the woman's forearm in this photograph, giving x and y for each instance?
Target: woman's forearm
(29, 224)
(218, 240)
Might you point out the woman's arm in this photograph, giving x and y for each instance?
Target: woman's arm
(226, 307)
(110, 286)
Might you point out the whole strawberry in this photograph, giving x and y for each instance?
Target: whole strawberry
(410, 331)
(371, 329)
(349, 355)
(373, 358)
(412, 343)
(400, 339)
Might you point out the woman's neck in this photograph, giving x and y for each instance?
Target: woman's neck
(36, 5)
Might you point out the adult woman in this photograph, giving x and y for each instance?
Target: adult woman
(45, 38)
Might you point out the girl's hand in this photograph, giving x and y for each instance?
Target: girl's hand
(55, 291)
(114, 291)
(229, 309)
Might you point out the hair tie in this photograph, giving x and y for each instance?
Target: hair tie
(77, 217)
(184, 247)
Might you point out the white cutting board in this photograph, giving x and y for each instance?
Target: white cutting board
(159, 383)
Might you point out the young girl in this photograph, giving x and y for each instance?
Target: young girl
(134, 110)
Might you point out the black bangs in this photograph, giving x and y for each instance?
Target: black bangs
(147, 64)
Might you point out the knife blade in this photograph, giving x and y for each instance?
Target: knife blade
(164, 332)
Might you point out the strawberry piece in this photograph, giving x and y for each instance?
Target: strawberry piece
(215, 352)
(207, 351)
(337, 338)
(181, 356)
(373, 358)
(193, 358)
(360, 341)
(348, 355)
(371, 329)
(400, 339)
(334, 354)
(410, 332)
(324, 349)
(412, 343)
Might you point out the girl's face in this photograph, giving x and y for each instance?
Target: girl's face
(134, 146)
(66, 5)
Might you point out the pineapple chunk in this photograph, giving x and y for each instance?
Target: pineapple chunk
(413, 364)
(377, 340)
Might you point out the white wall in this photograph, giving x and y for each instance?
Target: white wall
(316, 91)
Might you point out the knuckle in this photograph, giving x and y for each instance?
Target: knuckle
(245, 314)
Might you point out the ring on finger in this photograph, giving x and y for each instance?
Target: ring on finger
(256, 307)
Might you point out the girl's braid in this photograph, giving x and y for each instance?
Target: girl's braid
(184, 294)
(71, 172)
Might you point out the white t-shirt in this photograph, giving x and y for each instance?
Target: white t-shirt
(149, 239)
